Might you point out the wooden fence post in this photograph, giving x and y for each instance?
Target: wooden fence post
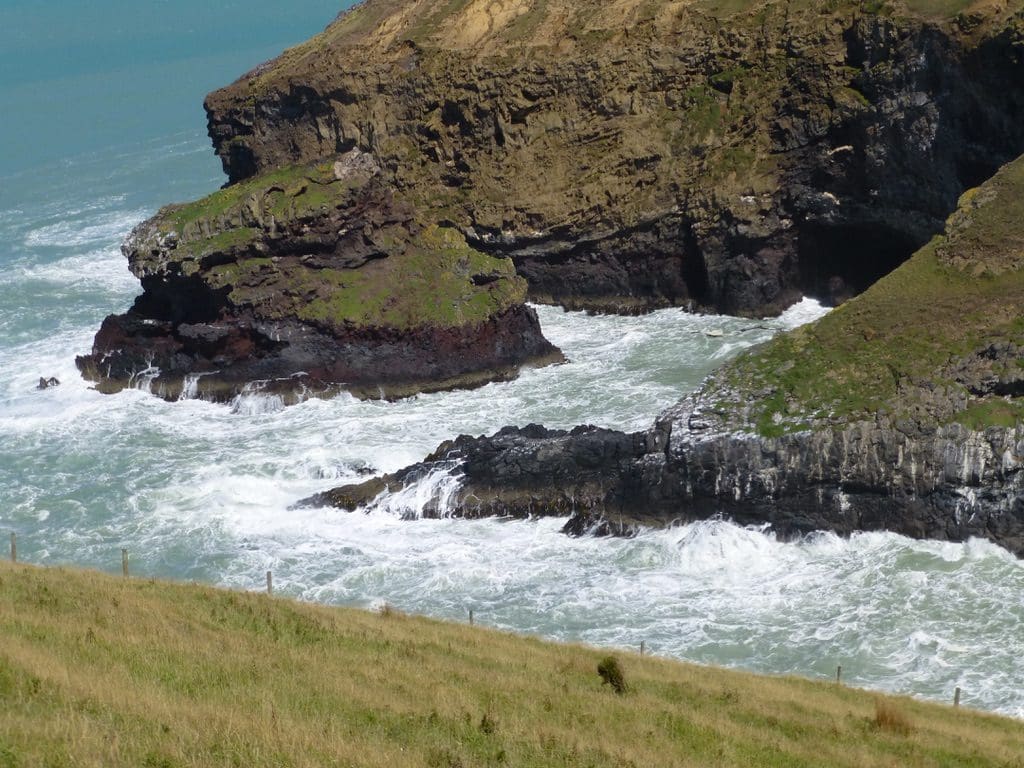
(643, 645)
(124, 562)
(14, 548)
(839, 673)
(270, 583)
(471, 617)
(956, 697)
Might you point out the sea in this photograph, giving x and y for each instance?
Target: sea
(101, 124)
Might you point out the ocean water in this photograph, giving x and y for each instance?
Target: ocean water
(110, 127)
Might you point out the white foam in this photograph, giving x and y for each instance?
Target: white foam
(102, 269)
(803, 312)
(202, 491)
(432, 495)
(97, 228)
(252, 401)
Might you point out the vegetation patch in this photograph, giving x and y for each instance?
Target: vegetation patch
(98, 670)
(439, 280)
(285, 193)
(889, 717)
(431, 279)
(993, 412)
(887, 350)
(611, 674)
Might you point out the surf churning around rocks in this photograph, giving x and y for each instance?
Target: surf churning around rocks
(202, 491)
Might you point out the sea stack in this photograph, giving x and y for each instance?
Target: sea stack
(310, 280)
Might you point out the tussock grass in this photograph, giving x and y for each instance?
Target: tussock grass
(102, 671)
(889, 717)
(611, 674)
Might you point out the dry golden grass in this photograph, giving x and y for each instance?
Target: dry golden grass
(102, 671)
(889, 717)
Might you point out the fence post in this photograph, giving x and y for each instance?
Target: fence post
(270, 583)
(14, 548)
(471, 617)
(643, 646)
(124, 562)
(956, 697)
(839, 674)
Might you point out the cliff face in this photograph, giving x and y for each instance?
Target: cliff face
(901, 410)
(633, 154)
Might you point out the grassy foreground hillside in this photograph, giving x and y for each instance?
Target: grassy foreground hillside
(97, 670)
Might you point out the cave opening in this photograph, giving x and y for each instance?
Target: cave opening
(240, 162)
(838, 262)
(180, 300)
(695, 268)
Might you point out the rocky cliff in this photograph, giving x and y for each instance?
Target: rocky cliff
(901, 410)
(635, 154)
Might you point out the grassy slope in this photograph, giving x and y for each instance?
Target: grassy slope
(889, 346)
(96, 670)
(466, 24)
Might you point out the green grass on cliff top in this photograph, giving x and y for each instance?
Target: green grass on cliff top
(462, 23)
(103, 671)
(517, 25)
(431, 277)
(435, 279)
(954, 297)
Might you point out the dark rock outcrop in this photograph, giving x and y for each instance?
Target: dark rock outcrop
(219, 360)
(903, 410)
(950, 484)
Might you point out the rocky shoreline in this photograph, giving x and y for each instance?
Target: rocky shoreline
(836, 426)
(401, 184)
(950, 485)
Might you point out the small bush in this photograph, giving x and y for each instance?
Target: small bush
(611, 674)
(889, 717)
(488, 724)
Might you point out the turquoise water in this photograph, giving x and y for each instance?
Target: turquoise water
(102, 124)
(83, 77)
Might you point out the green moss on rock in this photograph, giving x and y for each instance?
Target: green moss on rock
(324, 244)
(438, 281)
(284, 193)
